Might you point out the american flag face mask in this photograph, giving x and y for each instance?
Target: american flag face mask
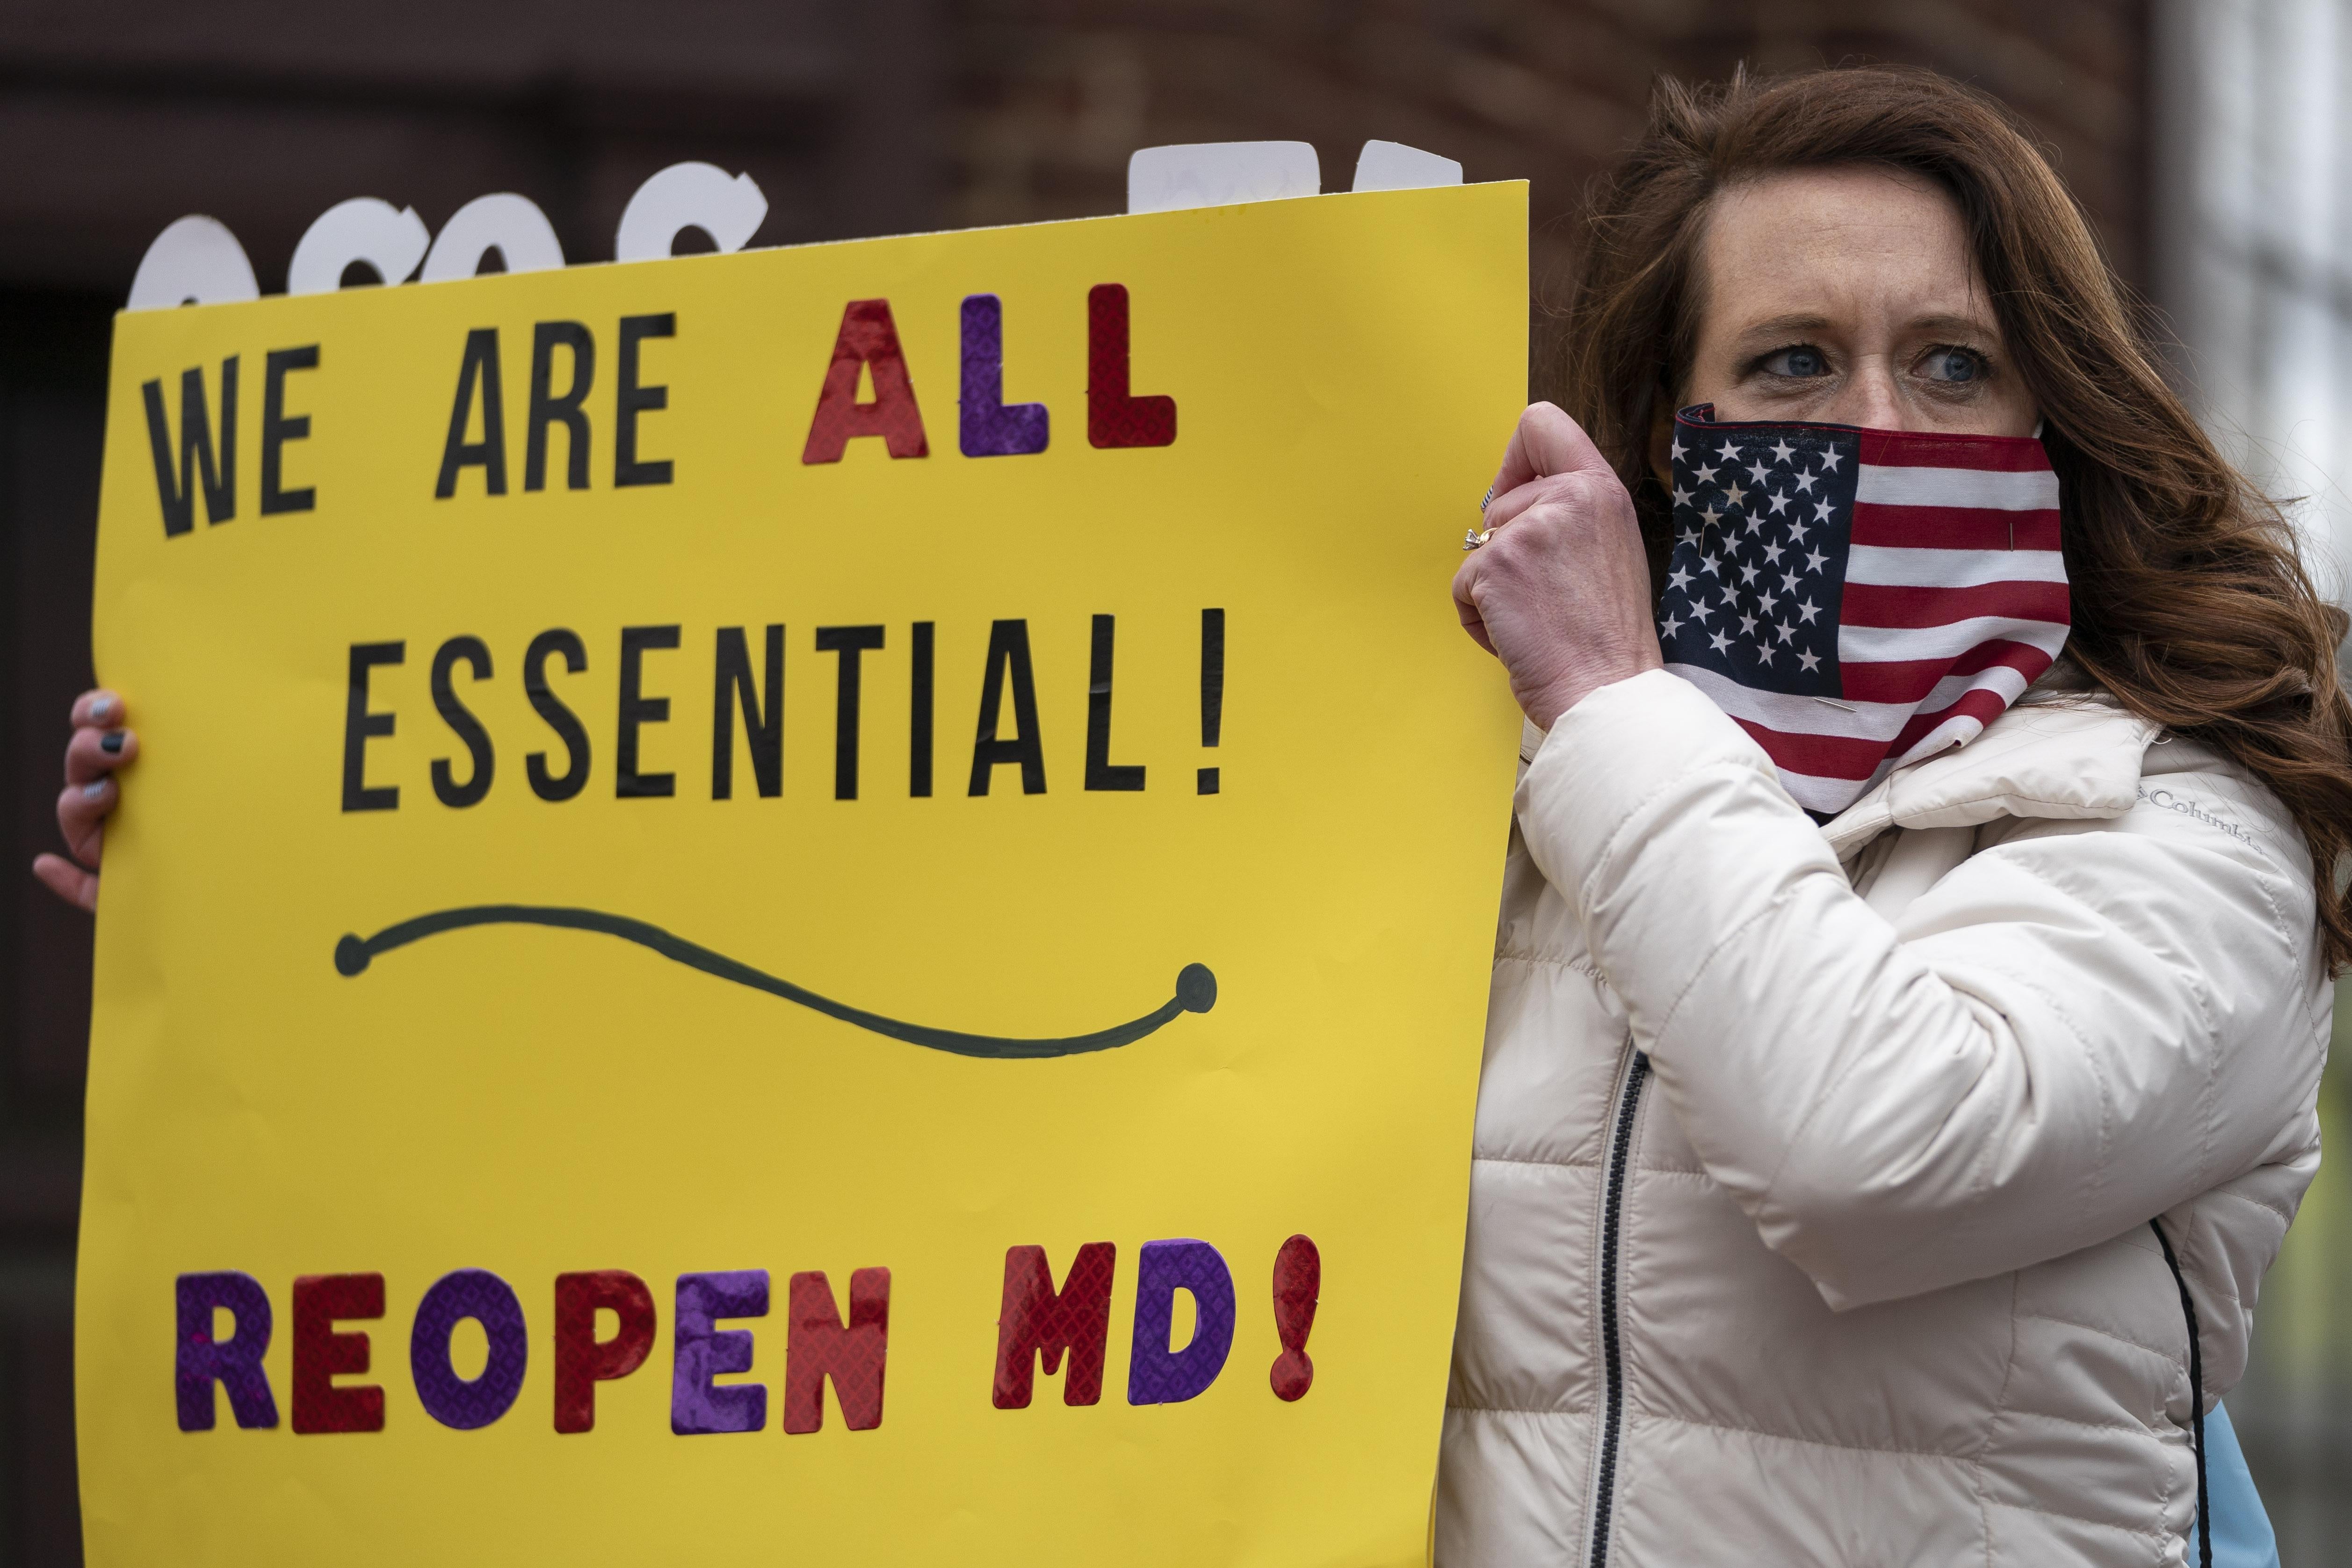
(1856, 598)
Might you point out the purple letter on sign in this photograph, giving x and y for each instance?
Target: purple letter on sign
(990, 429)
(703, 1352)
(1156, 1375)
(235, 1362)
(449, 1399)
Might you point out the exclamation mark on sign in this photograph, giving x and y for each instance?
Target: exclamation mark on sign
(1212, 691)
(1298, 1285)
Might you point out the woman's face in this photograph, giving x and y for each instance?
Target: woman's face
(1848, 297)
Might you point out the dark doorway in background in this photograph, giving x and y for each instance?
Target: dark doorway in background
(53, 358)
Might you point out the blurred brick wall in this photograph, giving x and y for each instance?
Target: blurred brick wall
(121, 115)
(1050, 96)
(874, 116)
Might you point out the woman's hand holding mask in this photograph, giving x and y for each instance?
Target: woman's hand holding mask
(1561, 590)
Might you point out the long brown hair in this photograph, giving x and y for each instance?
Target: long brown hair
(2191, 604)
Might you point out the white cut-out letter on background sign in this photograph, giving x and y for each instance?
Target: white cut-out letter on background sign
(510, 225)
(727, 207)
(1393, 166)
(1220, 173)
(388, 238)
(194, 261)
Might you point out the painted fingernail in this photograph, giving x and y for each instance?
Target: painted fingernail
(93, 789)
(101, 709)
(110, 744)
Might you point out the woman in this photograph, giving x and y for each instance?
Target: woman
(1887, 1184)
(1816, 1164)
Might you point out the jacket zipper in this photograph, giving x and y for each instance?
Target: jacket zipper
(1613, 1371)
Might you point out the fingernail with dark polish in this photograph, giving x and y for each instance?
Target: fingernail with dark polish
(111, 743)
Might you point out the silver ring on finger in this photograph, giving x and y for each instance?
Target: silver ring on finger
(1473, 538)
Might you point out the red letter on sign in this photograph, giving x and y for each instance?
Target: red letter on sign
(869, 338)
(819, 1347)
(320, 1353)
(582, 1359)
(1113, 417)
(1038, 1321)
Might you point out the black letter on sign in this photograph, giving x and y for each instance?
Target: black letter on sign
(546, 410)
(468, 728)
(636, 709)
(1008, 652)
(763, 722)
(277, 430)
(478, 374)
(850, 643)
(918, 729)
(1101, 772)
(560, 719)
(197, 456)
(360, 725)
(633, 400)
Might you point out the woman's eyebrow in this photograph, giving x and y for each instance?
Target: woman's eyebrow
(1806, 321)
(1959, 325)
(1782, 326)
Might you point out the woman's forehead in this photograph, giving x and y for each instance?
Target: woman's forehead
(1849, 246)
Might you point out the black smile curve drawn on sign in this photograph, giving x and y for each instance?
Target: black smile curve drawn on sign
(1196, 987)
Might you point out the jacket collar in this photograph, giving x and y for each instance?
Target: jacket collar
(2055, 753)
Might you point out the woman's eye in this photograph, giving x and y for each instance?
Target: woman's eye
(1799, 364)
(1953, 366)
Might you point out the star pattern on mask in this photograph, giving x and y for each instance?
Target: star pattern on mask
(1757, 567)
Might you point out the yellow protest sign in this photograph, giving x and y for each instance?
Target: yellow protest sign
(827, 901)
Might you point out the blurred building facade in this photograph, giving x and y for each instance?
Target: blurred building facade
(862, 117)
(2251, 219)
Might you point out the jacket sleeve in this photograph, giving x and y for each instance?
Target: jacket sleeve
(2081, 1026)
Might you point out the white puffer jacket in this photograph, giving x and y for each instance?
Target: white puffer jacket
(1810, 1221)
